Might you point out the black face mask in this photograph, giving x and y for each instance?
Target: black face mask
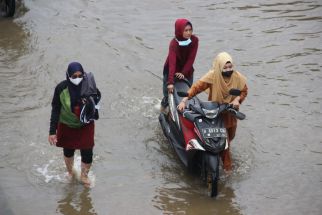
(227, 73)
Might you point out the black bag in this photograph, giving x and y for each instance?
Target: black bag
(90, 98)
(89, 110)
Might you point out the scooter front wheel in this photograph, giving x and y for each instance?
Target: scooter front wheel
(212, 182)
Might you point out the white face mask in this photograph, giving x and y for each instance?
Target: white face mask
(185, 42)
(227, 70)
(76, 81)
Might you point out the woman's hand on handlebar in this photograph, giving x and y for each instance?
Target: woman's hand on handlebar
(235, 103)
(179, 75)
(182, 104)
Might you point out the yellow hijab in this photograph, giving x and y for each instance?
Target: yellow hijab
(219, 91)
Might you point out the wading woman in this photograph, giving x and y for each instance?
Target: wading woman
(72, 118)
(179, 63)
(218, 81)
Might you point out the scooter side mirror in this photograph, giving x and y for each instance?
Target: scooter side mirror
(182, 94)
(234, 92)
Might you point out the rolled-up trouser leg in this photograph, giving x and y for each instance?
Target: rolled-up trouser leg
(87, 155)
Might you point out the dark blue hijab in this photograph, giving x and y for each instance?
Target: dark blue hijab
(74, 91)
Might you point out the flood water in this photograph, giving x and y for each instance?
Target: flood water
(277, 151)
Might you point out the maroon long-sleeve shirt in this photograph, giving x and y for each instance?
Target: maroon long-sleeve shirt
(181, 58)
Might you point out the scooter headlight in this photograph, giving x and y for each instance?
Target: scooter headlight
(211, 114)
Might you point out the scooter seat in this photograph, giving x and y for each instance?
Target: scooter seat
(180, 86)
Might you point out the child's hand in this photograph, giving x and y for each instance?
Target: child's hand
(170, 88)
(179, 75)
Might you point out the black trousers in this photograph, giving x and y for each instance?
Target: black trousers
(86, 154)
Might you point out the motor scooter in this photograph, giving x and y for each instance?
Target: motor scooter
(198, 134)
(7, 8)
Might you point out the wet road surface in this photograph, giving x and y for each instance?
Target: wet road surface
(277, 151)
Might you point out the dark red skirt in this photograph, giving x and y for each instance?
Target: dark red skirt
(75, 138)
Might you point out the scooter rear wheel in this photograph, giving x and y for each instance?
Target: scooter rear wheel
(212, 182)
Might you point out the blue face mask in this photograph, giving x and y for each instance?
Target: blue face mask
(185, 42)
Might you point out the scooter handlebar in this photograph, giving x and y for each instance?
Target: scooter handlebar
(237, 114)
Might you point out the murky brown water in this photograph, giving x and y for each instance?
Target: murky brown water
(278, 149)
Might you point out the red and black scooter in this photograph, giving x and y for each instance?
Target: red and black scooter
(7, 8)
(198, 134)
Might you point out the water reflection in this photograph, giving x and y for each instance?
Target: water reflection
(184, 201)
(13, 47)
(279, 55)
(18, 78)
(5, 207)
(76, 202)
(185, 193)
(13, 41)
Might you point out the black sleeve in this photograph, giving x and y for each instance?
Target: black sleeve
(55, 111)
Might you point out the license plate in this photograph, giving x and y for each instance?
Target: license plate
(213, 132)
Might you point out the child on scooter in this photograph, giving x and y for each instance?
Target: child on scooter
(179, 63)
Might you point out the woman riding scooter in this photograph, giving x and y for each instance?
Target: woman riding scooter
(218, 81)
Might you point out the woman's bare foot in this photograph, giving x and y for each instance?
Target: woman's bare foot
(84, 174)
(69, 162)
(85, 180)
